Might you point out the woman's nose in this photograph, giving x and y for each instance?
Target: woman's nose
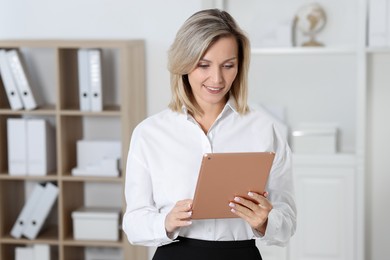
(216, 75)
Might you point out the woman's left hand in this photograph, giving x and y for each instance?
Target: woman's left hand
(254, 211)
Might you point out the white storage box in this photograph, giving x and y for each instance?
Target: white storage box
(103, 253)
(96, 224)
(315, 141)
(98, 158)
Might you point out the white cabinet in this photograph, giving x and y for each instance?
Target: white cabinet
(325, 187)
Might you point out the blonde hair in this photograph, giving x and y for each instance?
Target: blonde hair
(192, 41)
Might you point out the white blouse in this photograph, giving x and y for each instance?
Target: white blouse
(163, 165)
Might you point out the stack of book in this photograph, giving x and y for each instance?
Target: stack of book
(90, 79)
(15, 81)
(33, 215)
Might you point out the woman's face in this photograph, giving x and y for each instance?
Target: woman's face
(213, 76)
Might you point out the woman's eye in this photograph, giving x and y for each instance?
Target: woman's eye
(228, 66)
(203, 65)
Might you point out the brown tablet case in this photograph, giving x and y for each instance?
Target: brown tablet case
(223, 176)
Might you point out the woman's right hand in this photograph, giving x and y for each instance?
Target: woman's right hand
(179, 216)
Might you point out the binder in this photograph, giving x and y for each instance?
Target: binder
(41, 210)
(30, 204)
(41, 153)
(17, 146)
(13, 95)
(95, 79)
(83, 70)
(21, 80)
(41, 252)
(24, 253)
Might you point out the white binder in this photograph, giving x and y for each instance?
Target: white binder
(17, 146)
(21, 80)
(29, 205)
(9, 84)
(24, 253)
(41, 211)
(41, 252)
(95, 79)
(41, 155)
(83, 73)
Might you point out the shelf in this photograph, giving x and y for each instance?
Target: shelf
(338, 159)
(49, 236)
(377, 50)
(90, 179)
(48, 110)
(83, 113)
(95, 243)
(304, 51)
(50, 177)
(54, 64)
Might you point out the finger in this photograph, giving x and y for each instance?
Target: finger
(263, 202)
(183, 215)
(242, 209)
(247, 203)
(183, 205)
(256, 196)
(241, 212)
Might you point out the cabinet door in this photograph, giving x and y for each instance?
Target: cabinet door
(272, 252)
(325, 203)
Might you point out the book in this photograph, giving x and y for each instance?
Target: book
(9, 83)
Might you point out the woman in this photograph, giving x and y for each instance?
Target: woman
(208, 62)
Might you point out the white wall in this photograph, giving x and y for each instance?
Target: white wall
(153, 20)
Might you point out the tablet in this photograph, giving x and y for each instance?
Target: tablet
(223, 176)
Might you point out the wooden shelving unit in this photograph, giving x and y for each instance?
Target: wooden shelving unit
(124, 61)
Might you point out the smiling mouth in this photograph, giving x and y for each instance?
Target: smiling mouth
(214, 90)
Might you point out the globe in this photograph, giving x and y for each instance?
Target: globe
(311, 19)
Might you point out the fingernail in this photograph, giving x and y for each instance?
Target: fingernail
(250, 194)
(189, 213)
(231, 204)
(236, 199)
(233, 210)
(189, 222)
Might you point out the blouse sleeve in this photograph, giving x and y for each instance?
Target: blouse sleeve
(142, 221)
(282, 218)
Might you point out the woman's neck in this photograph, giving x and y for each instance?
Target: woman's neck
(210, 114)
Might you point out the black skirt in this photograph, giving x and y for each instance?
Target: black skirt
(194, 249)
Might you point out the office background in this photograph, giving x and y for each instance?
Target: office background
(157, 22)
